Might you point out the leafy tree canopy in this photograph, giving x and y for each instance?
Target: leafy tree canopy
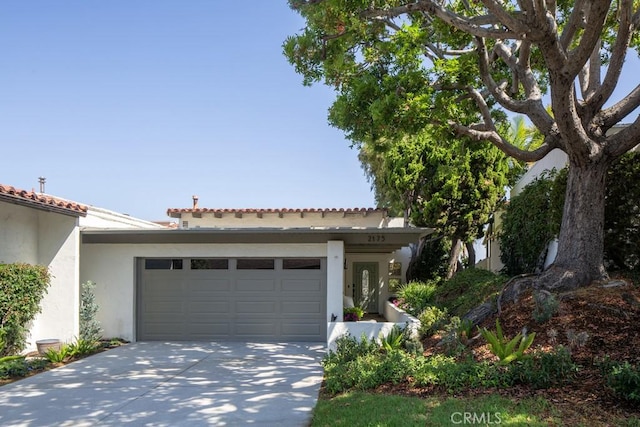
(400, 66)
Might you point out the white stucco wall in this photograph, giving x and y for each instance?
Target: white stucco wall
(50, 239)
(58, 248)
(335, 267)
(555, 159)
(18, 234)
(112, 268)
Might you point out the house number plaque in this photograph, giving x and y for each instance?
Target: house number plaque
(375, 238)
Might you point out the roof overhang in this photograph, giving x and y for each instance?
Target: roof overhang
(356, 240)
(49, 206)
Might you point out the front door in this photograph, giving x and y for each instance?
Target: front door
(365, 280)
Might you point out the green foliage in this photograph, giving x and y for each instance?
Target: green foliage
(82, 347)
(623, 378)
(90, 329)
(349, 348)
(545, 369)
(22, 287)
(368, 371)
(352, 314)
(394, 340)
(432, 319)
(533, 218)
(507, 350)
(622, 215)
(416, 296)
(546, 305)
(456, 375)
(432, 261)
(456, 335)
(467, 289)
(19, 366)
(530, 221)
(64, 354)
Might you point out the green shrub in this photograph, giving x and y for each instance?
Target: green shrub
(83, 347)
(64, 354)
(533, 218)
(624, 380)
(456, 375)
(368, 371)
(394, 340)
(18, 366)
(352, 314)
(545, 369)
(466, 290)
(546, 305)
(22, 287)
(432, 319)
(349, 348)
(507, 350)
(90, 329)
(622, 215)
(416, 296)
(456, 335)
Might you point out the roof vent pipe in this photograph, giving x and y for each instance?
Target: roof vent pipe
(195, 202)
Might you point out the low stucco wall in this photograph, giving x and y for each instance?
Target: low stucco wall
(372, 329)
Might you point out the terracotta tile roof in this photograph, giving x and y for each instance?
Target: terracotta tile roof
(41, 201)
(176, 212)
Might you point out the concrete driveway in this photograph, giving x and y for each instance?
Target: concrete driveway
(173, 384)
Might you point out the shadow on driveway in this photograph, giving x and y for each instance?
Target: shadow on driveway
(172, 384)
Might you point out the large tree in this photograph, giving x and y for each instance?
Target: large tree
(401, 65)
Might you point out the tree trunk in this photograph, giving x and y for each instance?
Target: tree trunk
(471, 253)
(581, 240)
(454, 254)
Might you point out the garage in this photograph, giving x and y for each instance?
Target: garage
(243, 299)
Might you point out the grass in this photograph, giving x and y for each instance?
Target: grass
(368, 409)
(361, 409)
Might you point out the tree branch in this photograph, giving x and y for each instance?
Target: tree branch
(531, 107)
(576, 21)
(456, 20)
(504, 145)
(617, 112)
(596, 16)
(624, 140)
(618, 55)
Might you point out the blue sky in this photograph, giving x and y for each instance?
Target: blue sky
(135, 106)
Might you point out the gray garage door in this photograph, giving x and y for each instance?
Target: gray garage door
(262, 299)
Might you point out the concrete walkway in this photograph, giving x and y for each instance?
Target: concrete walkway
(173, 384)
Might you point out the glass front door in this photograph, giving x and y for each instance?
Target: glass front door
(366, 282)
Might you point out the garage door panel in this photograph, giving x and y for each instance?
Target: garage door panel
(209, 286)
(209, 307)
(256, 307)
(262, 305)
(163, 308)
(256, 329)
(255, 285)
(301, 308)
(210, 329)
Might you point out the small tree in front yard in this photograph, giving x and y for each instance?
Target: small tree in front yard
(90, 328)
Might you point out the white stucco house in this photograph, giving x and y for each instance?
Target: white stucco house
(220, 274)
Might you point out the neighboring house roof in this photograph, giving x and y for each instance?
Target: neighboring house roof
(178, 212)
(41, 201)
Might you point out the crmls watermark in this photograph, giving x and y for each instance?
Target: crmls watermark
(484, 418)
